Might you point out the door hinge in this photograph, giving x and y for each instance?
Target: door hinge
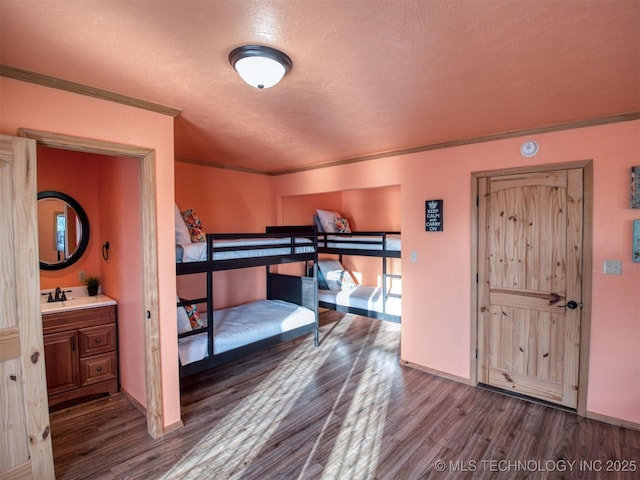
(478, 201)
(477, 277)
(476, 353)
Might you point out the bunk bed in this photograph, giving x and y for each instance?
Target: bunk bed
(340, 293)
(290, 310)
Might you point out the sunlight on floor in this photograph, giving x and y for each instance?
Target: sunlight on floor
(356, 449)
(355, 452)
(235, 441)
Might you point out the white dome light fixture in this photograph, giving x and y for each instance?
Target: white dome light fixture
(260, 66)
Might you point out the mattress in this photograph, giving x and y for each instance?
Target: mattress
(360, 242)
(197, 252)
(364, 297)
(244, 324)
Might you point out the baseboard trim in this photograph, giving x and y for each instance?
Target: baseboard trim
(133, 401)
(173, 427)
(437, 373)
(168, 429)
(618, 422)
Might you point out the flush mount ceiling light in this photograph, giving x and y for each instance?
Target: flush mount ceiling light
(260, 66)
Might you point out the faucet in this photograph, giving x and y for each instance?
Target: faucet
(60, 295)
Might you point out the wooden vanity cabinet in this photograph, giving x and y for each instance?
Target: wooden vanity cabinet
(81, 353)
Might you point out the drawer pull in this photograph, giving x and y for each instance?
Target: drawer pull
(98, 340)
(99, 369)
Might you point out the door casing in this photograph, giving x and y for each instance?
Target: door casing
(146, 157)
(587, 263)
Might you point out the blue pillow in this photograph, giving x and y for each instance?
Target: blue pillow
(322, 282)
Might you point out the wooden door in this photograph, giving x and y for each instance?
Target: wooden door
(25, 441)
(530, 235)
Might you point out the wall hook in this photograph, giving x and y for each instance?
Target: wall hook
(105, 251)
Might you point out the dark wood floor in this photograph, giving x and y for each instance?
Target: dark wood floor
(347, 410)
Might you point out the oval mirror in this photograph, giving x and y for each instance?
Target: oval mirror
(63, 230)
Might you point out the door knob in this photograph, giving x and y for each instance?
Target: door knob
(571, 305)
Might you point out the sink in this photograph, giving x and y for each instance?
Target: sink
(76, 303)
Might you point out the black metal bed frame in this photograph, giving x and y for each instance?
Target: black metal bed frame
(301, 290)
(380, 250)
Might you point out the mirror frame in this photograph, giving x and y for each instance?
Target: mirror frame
(84, 221)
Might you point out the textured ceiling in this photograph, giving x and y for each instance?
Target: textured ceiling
(368, 76)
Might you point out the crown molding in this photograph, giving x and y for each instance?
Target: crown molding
(66, 85)
(625, 117)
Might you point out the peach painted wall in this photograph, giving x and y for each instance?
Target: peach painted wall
(120, 225)
(300, 209)
(226, 201)
(40, 108)
(373, 208)
(436, 318)
(76, 175)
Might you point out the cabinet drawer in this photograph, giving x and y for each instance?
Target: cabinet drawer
(95, 340)
(98, 368)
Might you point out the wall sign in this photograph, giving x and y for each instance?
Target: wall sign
(636, 241)
(434, 216)
(635, 187)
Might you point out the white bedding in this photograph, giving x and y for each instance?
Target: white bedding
(365, 297)
(197, 252)
(244, 324)
(334, 241)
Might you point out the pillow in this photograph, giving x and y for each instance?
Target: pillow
(182, 232)
(322, 282)
(316, 220)
(336, 276)
(347, 281)
(326, 219)
(194, 317)
(184, 325)
(341, 225)
(195, 227)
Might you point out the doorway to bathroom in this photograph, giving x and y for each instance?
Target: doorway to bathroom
(119, 158)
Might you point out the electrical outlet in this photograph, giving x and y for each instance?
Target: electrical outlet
(613, 267)
(82, 275)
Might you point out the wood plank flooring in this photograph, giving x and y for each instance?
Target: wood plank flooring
(346, 410)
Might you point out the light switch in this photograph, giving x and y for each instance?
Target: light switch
(414, 257)
(613, 267)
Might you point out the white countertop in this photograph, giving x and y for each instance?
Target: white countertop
(77, 299)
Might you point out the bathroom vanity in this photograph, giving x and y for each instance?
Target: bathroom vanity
(80, 347)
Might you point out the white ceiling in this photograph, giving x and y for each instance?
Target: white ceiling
(368, 76)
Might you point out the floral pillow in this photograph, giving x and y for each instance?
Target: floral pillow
(335, 275)
(194, 317)
(341, 225)
(195, 227)
(182, 233)
(326, 220)
(347, 281)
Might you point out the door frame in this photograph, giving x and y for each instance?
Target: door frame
(587, 266)
(147, 159)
